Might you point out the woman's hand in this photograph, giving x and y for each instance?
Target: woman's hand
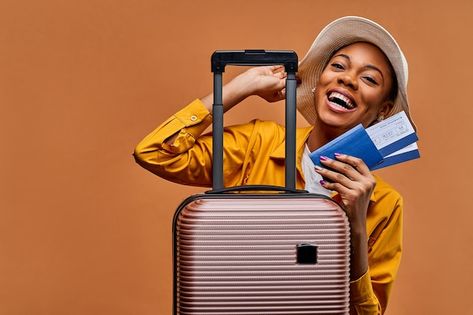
(267, 82)
(351, 178)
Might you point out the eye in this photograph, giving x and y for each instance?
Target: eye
(337, 65)
(371, 80)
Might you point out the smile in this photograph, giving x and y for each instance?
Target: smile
(340, 102)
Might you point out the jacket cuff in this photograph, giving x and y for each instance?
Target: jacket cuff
(361, 290)
(192, 114)
(190, 122)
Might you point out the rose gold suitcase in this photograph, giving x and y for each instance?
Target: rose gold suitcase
(238, 253)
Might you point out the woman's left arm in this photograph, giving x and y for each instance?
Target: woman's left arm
(374, 262)
(351, 178)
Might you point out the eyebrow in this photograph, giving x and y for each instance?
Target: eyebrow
(369, 66)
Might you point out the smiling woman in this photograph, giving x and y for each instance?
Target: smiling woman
(355, 87)
(354, 73)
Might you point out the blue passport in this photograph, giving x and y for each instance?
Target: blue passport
(408, 153)
(355, 142)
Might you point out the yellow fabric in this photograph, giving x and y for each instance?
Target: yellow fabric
(254, 154)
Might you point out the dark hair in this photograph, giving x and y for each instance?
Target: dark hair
(393, 93)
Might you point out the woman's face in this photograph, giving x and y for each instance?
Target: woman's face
(354, 87)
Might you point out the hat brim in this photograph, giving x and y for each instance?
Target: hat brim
(339, 33)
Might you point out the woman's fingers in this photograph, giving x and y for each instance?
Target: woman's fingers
(348, 171)
(331, 176)
(357, 163)
(278, 68)
(277, 71)
(281, 75)
(340, 188)
(268, 82)
(339, 171)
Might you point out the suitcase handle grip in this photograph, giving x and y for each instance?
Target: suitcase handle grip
(220, 58)
(254, 57)
(236, 189)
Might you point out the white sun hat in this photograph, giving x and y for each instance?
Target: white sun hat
(339, 33)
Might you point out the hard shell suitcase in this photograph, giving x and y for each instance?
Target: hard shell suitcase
(239, 253)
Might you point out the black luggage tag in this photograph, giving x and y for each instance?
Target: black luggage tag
(306, 254)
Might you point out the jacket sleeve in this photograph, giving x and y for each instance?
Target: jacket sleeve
(369, 294)
(188, 158)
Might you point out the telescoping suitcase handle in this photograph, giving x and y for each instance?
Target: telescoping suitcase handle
(220, 59)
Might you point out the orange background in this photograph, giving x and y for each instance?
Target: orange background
(84, 230)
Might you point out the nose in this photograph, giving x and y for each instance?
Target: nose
(348, 79)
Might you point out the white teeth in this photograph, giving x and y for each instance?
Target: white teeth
(342, 97)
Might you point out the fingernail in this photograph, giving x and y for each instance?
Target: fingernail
(318, 168)
(339, 155)
(322, 182)
(323, 158)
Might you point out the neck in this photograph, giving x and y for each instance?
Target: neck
(321, 134)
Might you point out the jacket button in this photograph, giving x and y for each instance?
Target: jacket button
(193, 117)
(245, 180)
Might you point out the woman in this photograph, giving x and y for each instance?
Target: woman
(354, 73)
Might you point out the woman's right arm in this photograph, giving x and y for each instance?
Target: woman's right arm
(266, 82)
(178, 151)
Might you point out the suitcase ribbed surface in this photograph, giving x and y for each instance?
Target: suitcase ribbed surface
(238, 256)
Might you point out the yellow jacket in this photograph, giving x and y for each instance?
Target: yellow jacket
(254, 154)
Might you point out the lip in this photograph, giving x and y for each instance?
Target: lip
(337, 108)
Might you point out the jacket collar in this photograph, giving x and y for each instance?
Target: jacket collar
(301, 138)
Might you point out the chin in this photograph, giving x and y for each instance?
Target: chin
(333, 115)
(335, 120)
